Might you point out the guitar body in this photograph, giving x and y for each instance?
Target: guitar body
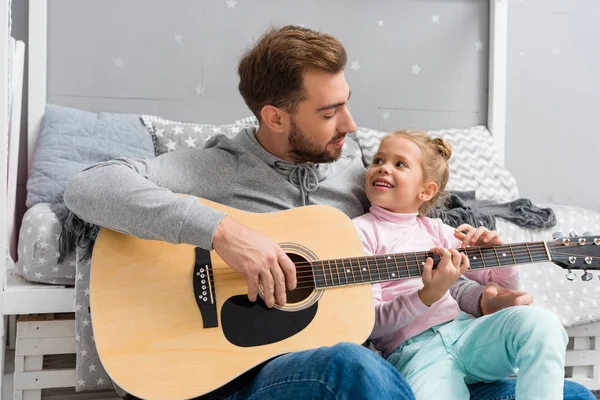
(151, 334)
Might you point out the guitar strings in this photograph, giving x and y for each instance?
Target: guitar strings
(309, 272)
(375, 260)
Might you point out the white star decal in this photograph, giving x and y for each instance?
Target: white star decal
(235, 129)
(79, 276)
(43, 229)
(77, 307)
(118, 61)
(55, 269)
(435, 19)
(38, 275)
(416, 69)
(44, 245)
(178, 130)
(199, 90)
(100, 381)
(87, 291)
(86, 322)
(171, 145)
(355, 65)
(191, 142)
(41, 260)
(72, 263)
(178, 37)
(478, 45)
(197, 129)
(216, 129)
(92, 367)
(81, 382)
(386, 115)
(83, 353)
(159, 132)
(231, 3)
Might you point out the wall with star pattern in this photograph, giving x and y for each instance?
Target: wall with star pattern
(412, 63)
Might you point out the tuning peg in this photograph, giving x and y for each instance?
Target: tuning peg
(573, 233)
(558, 235)
(571, 276)
(587, 276)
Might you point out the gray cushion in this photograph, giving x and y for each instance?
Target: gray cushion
(72, 139)
(174, 135)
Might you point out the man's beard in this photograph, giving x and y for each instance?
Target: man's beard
(303, 150)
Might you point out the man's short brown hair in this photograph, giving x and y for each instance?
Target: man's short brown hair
(272, 71)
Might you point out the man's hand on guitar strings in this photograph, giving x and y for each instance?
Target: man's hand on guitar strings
(256, 257)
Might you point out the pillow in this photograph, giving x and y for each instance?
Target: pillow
(474, 164)
(173, 135)
(38, 248)
(72, 139)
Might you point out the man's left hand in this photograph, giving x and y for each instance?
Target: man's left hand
(495, 298)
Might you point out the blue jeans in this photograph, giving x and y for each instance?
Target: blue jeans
(504, 389)
(350, 371)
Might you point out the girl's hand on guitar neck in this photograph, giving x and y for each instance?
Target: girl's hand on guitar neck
(256, 257)
(436, 283)
(472, 236)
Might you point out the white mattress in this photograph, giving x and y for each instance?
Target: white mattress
(575, 302)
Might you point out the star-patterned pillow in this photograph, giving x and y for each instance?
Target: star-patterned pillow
(172, 135)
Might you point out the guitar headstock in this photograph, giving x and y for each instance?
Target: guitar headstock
(576, 252)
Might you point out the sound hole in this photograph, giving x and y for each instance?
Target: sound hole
(305, 280)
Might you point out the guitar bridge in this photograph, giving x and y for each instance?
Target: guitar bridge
(204, 288)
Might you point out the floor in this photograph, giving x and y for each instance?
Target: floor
(50, 394)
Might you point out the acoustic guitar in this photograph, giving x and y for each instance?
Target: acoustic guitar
(174, 321)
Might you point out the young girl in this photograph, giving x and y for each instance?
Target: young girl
(419, 327)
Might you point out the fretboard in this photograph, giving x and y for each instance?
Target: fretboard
(388, 267)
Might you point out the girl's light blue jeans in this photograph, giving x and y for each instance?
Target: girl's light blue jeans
(528, 341)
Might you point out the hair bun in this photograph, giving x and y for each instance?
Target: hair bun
(442, 147)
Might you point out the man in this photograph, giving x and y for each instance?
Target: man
(293, 81)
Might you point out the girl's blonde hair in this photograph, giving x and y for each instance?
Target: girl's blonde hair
(436, 153)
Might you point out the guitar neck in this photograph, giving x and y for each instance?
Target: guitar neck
(389, 267)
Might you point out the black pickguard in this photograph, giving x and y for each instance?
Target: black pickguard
(248, 324)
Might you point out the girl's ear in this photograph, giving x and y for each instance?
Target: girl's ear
(429, 190)
(275, 118)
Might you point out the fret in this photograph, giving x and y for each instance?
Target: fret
(330, 272)
(539, 252)
(489, 257)
(355, 262)
(417, 264)
(512, 253)
(387, 275)
(482, 259)
(342, 271)
(377, 268)
(318, 274)
(402, 274)
(521, 254)
(337, 273)
(474, 258)
(349, 268)
(406, 264)
(528, 252)
(345, 272)
(504, 255)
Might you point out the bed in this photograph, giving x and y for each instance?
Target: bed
(34, 282)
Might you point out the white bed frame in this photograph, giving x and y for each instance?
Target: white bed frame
(18, 297)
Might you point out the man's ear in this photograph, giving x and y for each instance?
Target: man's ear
(429, 190)
(276, 119)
